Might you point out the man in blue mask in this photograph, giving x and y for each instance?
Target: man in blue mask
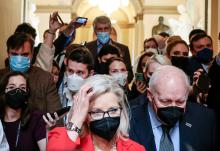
(43, 96)
(102, 28)
(166, 121)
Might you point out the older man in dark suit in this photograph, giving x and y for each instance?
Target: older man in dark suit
(167, 122)
(102, 28)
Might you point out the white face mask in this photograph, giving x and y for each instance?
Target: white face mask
(120, 77)
(74, 82)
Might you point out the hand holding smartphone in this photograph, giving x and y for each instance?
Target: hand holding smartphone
(81, 20)
(60, 112)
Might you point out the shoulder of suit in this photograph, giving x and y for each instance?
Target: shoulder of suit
(119, 44)
(199, 110)
(37, 71)
(140, 102)
(94, 42)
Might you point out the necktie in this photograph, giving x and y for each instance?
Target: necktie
(165, 141)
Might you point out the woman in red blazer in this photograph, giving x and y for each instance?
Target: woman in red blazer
(99, 120)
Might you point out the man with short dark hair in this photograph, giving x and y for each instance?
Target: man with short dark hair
(102, 28)
(79, 66)
(201, 47)
(43, 94)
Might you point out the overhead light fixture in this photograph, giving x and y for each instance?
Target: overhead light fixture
(109, 6)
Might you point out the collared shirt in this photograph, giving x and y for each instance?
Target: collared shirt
(205, 67)
(157, 130)
(66, 96)
(100, 45)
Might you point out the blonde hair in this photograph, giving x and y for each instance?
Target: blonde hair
(102, 84)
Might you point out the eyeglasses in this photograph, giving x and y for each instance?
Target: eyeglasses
(99, 114)
(23, 90)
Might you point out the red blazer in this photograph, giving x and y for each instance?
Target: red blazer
(59, 141)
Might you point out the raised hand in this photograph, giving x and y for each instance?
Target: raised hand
(54, 23)
(80, 108)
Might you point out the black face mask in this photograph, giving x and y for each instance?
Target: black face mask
(180, 61)
(103, 68)
(16, 98)
(204, 55)
(106, 127)
(170, 115)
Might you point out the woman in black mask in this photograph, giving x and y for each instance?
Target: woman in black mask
(98, 120)
(25, 130)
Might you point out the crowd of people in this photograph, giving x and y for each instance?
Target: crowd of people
(62, 96)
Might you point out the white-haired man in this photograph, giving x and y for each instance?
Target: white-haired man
(167, 122)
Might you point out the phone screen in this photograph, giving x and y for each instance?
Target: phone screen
(81, 20)
(139, 77)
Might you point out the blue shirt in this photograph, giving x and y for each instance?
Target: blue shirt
(157, 130)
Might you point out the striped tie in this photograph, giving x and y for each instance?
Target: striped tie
(165, 141)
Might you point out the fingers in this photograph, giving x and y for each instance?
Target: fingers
(196, 75)
(49, 120)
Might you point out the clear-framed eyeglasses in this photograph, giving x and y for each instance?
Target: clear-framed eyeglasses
(99, 114)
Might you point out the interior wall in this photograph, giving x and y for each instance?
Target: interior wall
(11, 16)
(151, 20)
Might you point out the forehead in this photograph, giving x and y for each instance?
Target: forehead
(77, 66)
(105, 101)
(180, 47)
(26, 47)
(108, 56)
(18, 79)
(169, 88)
(117, 65)
(102, 25)
(151, 42)
(203, 40)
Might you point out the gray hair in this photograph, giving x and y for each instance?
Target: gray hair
(103, 20)
(161, 59)
(102, 84)
(168, 72)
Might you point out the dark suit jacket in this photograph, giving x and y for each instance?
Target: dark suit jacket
(92, 46)
(193, 65)
(200, 136)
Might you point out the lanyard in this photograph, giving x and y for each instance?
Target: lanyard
(18, 134)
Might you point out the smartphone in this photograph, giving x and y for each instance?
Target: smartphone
(60, 19)
(60, 112)
(139, 77)
(203, 83)
(81, 20)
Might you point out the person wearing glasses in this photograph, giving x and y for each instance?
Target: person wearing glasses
(99, 120)
(23, 127)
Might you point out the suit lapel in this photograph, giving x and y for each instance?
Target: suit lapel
(143, 128)
(186, 131)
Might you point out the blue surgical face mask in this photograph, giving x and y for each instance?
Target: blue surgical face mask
(19, 63)
(103, 37)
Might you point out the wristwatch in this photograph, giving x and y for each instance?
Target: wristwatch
(72, 127)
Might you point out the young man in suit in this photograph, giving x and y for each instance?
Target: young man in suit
(201, 48)
(167, 122)
(102, 28)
